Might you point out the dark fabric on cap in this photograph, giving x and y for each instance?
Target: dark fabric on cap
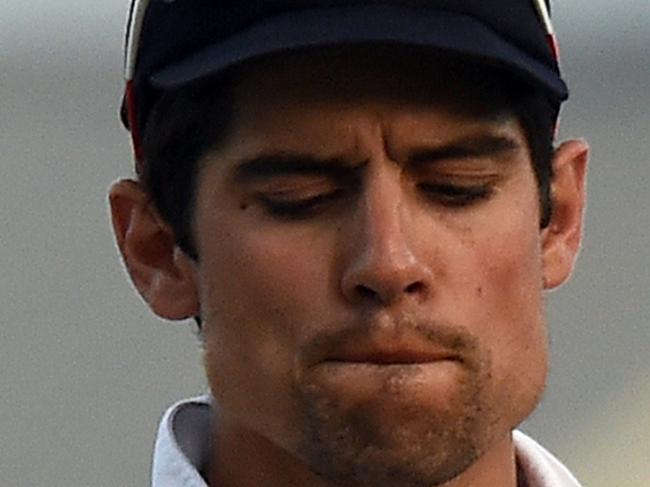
(185, 40)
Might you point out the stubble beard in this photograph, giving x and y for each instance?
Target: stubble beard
(422, 448)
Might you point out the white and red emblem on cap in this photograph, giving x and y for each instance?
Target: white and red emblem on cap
(545, 17)
(134, 29)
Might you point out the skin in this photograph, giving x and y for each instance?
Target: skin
(380, 322)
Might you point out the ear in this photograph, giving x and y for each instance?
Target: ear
(561, 239)
(161, 272)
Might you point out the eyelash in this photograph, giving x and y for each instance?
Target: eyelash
(302, 208)
(457, 195)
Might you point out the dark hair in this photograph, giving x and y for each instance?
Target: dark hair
(187, 123)
(183, 126)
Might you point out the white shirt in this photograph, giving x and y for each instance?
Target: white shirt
(182, 451)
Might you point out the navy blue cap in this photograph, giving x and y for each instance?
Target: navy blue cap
(182, 41)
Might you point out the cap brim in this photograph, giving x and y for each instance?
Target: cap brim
(441, 30)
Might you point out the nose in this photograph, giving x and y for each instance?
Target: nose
(384, 264)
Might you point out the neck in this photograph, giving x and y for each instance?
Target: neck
(497, 466)
(242, 458)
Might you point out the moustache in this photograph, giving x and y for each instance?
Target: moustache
(390, 340)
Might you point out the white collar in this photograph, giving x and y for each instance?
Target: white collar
(182, 450)
(539, 466)
(182, 446)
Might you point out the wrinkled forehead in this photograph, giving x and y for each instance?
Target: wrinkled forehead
(394, 74)
(325, 101)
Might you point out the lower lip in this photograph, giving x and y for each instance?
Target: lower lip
(367, 379)
(350, 363)
(336, 367)
(390, 387)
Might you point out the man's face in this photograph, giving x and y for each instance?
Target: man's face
(370, 270)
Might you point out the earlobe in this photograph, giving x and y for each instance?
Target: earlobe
(562, 238)
(162, 273)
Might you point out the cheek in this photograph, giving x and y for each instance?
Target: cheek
(512, 273)
(273, 282)
(509, 312)
(248, 285)
(260, 297)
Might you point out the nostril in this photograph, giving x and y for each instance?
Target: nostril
(366, 292)
(414, 288)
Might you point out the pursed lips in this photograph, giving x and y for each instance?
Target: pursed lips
(388, 342)
(395, 353)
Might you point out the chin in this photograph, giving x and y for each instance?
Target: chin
(412, 458)
(376, 444)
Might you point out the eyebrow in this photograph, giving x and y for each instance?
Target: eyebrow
(486, 145)
(286, 163)
(267, 165)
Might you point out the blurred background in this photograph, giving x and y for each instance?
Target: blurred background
(86, 370)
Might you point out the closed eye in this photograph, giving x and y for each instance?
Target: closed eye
(456, 195)
(297, 208)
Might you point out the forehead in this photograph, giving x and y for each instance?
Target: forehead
(322, 100)
(395, 74)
